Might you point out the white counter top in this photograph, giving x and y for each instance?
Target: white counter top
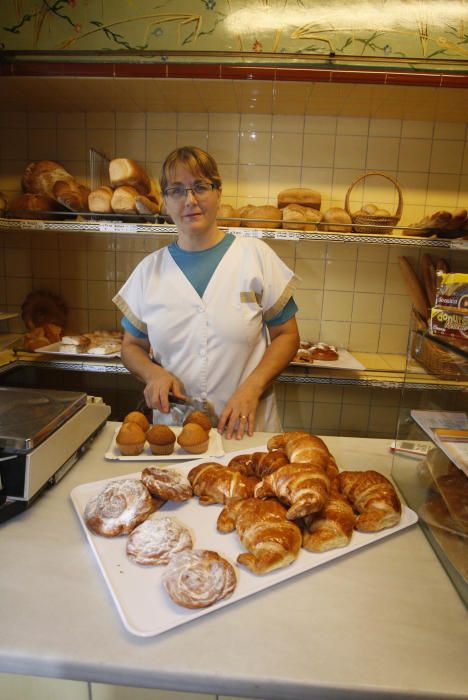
(382, 622)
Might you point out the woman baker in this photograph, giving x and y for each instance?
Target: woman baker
(215, 309)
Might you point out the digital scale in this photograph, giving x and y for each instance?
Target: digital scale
(42, 434)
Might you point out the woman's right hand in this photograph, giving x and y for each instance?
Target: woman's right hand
(158, 381)
(158, 388)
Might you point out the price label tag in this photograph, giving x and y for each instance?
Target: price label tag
(117, 227)
(29, 225)
(287, 236)
(459, 244)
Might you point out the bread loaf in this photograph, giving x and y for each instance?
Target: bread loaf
(245, 212)
(336, 215)
(99, 200)
(32, 206)
(300, 195)
(266, 217)
(51, 179)
(294, 217)
(125, 171)
(413, 285)
(227, 215)
(3, 204)
(146, 205)
(124, 200)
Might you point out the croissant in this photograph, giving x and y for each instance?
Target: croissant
(271, 540)
(332, 527)
(373, 496)
(214, 483)
(264, 463)
(304, 487)
(242, 464)
(278, 442)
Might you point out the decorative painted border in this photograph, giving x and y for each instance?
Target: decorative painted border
(233, 72)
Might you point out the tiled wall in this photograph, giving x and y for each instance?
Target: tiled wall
(350, 294)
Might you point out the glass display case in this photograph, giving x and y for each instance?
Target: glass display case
(430, 463)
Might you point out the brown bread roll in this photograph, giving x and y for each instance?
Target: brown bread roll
(336, 215)
(125, 171)
(300, 195)
(32, 206)
(99, 200)
(245, 212)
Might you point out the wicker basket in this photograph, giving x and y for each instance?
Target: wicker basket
(367, 223)
(437, 359)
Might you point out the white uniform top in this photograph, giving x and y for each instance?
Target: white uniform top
(211, 344)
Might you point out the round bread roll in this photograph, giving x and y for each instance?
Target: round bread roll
(381, 212)
(139, 418)
(200, 418)
(266, 217)
(155, 541)
(369, 208)
(227, 215)
(336, 215)
(299, 195)
(193, 438)
(197, 578)
(130, 439)
(161, 439)
(119, 507)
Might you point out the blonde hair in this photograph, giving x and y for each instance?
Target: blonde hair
(195, 159)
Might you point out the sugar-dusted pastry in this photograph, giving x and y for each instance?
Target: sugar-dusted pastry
(214, 483)
(137, 417)
(119, 507)
(130, 439)
(302, 487)
(193, 438)
(324, 352)
(155, 541)
(332, 527)
(168, 484)
(271, 540)
(374, 497)
(198, 578)
(161, 439)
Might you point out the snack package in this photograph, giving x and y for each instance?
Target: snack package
(452, 292)
(449, 323)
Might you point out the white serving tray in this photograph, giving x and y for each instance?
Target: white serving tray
(54, 349)
(137, 591)
(215, 449)
(345, 361)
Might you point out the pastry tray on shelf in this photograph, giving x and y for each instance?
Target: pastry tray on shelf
(345, 361)
(137, 591)
(61, 350)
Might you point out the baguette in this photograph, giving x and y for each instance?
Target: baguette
(416, 292)
(429, 278)
(125, 171)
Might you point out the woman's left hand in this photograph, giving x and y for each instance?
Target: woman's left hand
(238, 416)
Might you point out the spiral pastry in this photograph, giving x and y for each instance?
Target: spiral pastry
(119, 507)
(156, 540)
(166, 483)
(197, 578)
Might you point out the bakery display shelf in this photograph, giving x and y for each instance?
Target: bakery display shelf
(123, 227)
(380, 378)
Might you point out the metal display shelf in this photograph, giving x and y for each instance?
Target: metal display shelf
(149, 229)
(366, 378)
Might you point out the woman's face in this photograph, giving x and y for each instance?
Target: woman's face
(192, 214)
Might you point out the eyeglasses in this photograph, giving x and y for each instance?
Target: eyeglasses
(200, 190)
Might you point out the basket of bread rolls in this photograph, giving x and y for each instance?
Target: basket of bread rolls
(370, 218)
